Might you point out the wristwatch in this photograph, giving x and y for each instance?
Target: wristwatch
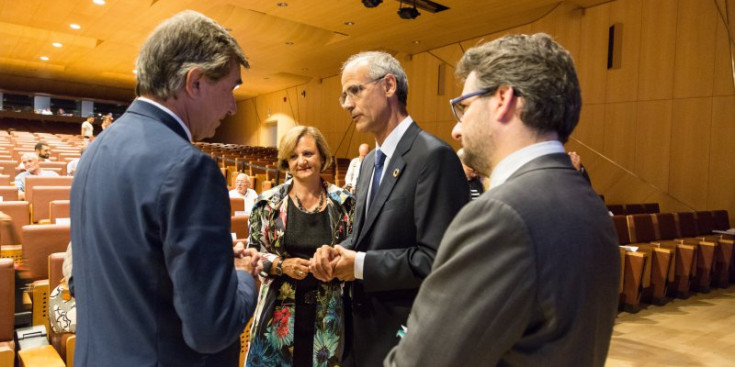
(279, 267)
(266, 272)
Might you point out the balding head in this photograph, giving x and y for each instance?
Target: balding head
(363, 150)
(30, 162)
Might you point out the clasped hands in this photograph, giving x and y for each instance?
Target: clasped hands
(333, 262)
(247, 259)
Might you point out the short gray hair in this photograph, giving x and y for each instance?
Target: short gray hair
(540, 71)
(187, 40)
(29, 155)
(381, 64)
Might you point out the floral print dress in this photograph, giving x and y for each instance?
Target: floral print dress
(272, 333)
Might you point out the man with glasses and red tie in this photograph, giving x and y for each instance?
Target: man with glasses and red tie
(527, 274)
(409, 189)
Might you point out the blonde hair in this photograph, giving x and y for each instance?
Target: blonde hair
(291, 139)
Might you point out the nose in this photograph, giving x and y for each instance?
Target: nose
(457, 131)
(348, 104)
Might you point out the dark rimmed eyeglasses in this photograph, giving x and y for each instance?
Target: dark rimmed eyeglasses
(458, 108)
(353, 91)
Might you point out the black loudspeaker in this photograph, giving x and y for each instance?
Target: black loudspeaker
(371, 3)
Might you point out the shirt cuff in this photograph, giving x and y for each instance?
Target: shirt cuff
(359, 264)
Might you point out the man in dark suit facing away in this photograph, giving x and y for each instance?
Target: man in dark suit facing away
(527, 274)
(409, 189)
(155, 281)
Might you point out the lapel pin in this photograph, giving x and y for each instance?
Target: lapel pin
(396, 172)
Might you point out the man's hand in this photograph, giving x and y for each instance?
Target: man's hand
(323, 263)
(246, 259)
(344, 270)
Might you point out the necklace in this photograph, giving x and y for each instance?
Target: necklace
(315, 210)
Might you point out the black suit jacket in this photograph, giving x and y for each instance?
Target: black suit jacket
(423, 188)
(154, 277)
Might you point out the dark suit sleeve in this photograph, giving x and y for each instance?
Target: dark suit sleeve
(479, 298)
(213, 300)
(440, 193)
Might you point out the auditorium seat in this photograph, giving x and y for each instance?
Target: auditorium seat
(58, 209)
(721, 220)
(662, 258)
(240, 227)
(705, 250)
(651, 208)
(9, 167)
(634, 209)
(7, 312)
(19, 211)
(33, 181)
(616, 209)
(6, 179)
(8, 193)
(236, 205)
(55, 274)
(61, 166)
(685, 256)
(635, 276)
(42, 197)
(40, 241)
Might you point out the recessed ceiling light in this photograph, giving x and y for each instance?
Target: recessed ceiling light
(416, 42)
(44, 58)
(57, 44)
(289, 43)
(349, 24)
(99, 2)
(135, 71)
(75, 26)
(282, 4)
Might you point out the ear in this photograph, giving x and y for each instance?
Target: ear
(194, 80)
(391, 85)
(506, 103)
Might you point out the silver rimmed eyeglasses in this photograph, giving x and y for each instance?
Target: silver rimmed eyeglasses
(353, 91)
(458, 108)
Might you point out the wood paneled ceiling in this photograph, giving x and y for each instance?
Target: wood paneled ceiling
(286, 45)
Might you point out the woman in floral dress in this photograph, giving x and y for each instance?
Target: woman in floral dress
(299, 320)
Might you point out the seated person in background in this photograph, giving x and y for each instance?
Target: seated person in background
(242, 190)
(33, 168)
(71, 167)
(577, 163)
(474, 179)
(42, 151)
(354, 170)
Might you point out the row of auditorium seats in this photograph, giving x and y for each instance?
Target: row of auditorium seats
(625, 209)
(673, 254)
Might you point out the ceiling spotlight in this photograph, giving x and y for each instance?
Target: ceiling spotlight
(75, 26)
(288, 43)
(371, 3)
(282, 4)
(408, 13)
(99, 2)
(44, 58)
(349, 24)
(57, 44)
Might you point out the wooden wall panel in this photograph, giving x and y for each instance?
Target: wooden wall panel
(590, 128)
(695, 46)
(423, 100)
(593, 50)
(690, 137)
(658, 49)
(653, 142)
(622, 83)
(568, 28)
(723, 66)
(620, 129)
(721, 183)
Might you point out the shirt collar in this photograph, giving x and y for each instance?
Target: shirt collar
(168, 111)
(391, 142)
(517, 159)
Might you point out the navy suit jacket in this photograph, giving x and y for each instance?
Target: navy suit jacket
(154, 278)
(422, 189)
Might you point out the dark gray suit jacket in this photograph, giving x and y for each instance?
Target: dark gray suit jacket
(527, 275)
(422, 189)
(154, 278)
